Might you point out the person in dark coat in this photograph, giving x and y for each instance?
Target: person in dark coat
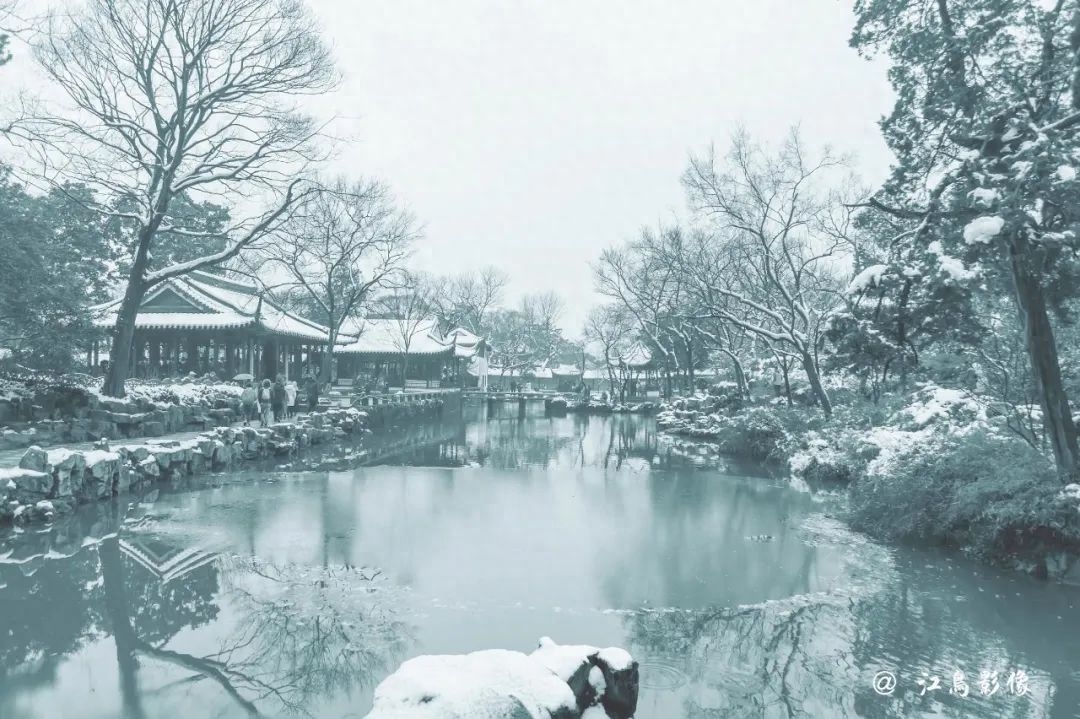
(312, 390)
(280, 398)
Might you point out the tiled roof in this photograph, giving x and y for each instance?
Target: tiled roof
(637, 356)
(212, 302)
(393, 337)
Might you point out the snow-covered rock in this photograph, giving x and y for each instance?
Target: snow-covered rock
(491, 684)
(554, 682)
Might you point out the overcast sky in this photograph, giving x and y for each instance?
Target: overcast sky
(531, 134)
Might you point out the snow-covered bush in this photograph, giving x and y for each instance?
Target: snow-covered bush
(987, 493)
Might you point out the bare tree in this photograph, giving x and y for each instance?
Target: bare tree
(647, 276)
(348, 242)
(611, 329)
(180, 96)
(408, 311)
(467, 300)
(767, 264)
(528, 336)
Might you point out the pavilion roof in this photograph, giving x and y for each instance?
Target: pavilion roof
(466, 344)
(393, 337)
(566, 370)
(638, 355)
(200, 300)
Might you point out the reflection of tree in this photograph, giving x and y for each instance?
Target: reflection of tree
(301, 633)
(773, 659)
(307, 632)
(815, 654)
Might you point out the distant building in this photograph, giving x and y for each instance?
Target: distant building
(399, 352)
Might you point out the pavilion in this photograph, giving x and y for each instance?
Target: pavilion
(202, 322)
(395, 352)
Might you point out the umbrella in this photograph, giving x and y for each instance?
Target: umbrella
(243, 377)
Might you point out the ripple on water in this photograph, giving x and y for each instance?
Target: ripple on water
(661, 676)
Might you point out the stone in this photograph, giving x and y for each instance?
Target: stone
(13, 439)
(29, 484)
(34, 458)
(494, 684)
(622, 682)
(605, 676)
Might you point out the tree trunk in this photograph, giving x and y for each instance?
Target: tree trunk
(123, 332)
(1045, 367)
(328, 357)
(690, 369)
(740, 375)
(815, 383)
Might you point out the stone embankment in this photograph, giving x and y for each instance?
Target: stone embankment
(50, 482)
(52, 417)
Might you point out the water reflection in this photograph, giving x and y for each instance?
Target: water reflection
(293, 591)
(815, 655)
(283, 635)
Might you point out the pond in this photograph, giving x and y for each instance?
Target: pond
(294, 592)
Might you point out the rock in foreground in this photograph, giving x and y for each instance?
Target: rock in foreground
(554, 682)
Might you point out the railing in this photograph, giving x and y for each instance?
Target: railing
(374, 399)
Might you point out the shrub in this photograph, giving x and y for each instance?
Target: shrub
(988, 494)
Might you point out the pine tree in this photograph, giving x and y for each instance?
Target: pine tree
(985, 133)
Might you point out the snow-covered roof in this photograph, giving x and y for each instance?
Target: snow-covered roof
(200, 300)
(637, 356)
(466, 344)
(393, 337)
(566, 370)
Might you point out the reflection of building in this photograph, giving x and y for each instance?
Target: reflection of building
(201, 322)
(165, 561)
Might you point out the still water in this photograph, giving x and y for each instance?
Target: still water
(294, 592)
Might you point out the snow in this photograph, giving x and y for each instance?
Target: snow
(596, 712)
(1022, 168)
(870, 277)
(616, 658)
(983, 229)
(984, 196)
(481, 685)
(955, 268)
(562, 659)
(12, 473)
(596, 680)
(951, 265)
(1065, 173)
(96, 456)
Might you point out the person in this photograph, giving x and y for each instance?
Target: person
(249, 403)
(280, 398)
(290, 398)
(266, 398)
(312, 389)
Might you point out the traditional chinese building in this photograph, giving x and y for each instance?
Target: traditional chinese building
(395, 353)
(202, 323)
